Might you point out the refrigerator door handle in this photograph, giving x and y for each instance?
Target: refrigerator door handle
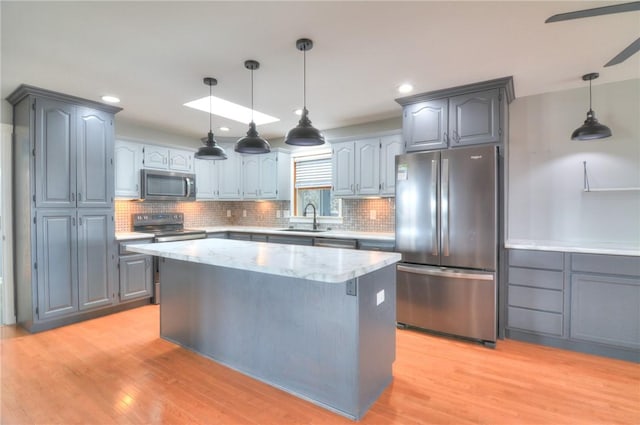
(430, 271)
(445, 207)
(433, 205)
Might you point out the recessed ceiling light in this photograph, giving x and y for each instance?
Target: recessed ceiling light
(230, 110)
(298, 112)
(110, 99)
(223, 128)
(405, 88)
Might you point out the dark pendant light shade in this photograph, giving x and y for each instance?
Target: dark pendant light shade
(591, 129)
(211, 150)
(304, 134)
(252, 143)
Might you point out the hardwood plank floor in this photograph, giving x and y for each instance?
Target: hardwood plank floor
(116, 369)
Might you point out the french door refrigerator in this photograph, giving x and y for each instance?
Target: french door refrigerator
(446, 231)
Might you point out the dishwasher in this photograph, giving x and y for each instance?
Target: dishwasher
(335, 243)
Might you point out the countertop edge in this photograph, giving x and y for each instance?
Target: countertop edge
(540, 246)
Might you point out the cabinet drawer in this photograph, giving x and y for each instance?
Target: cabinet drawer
(539, 278)
(535, 321)
(536, 259)
(238, 236)
(259, 238)
(538, 299)
(291, 240)
(122, 248)
(609, 264)
(370, 245)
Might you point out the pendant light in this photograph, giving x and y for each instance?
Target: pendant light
(252, 142)
(211, 150)
(304, 134)
(591, 129)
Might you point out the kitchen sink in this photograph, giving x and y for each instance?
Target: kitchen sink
(303, 230)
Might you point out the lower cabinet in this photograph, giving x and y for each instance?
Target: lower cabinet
(136, 276)
(581, 302)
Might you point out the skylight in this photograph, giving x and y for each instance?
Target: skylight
(230, 110)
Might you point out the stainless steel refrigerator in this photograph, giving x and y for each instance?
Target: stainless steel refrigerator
(446, 230)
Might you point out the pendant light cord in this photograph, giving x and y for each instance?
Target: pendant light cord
(590, 95)
(210, 108)
(304, 79)
(252, 95)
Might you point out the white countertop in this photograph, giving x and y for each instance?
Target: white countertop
(304, 262)
(581, 247)
(336, 234)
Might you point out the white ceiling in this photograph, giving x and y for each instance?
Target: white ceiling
(153, 55)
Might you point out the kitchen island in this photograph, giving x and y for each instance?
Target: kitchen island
(316, 322)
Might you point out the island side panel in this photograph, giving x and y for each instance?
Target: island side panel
(377, 333)
(299, 335)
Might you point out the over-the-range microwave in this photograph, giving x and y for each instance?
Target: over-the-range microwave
(167, 186)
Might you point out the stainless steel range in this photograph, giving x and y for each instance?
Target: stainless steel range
(166, 227)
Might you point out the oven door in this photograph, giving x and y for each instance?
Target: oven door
(167, 186)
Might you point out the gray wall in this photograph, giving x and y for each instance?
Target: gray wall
(546, 201)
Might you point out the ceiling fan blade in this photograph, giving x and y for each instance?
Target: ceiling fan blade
(624, 55)
(597, 11)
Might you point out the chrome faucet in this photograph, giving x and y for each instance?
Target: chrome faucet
(304, 214)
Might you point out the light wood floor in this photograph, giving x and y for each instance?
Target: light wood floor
(117, 370)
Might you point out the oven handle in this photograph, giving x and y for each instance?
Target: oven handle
(430, 271)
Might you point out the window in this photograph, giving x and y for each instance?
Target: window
(312, 184)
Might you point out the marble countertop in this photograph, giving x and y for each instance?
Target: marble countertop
(578, 247)
(305, 262)
(335, 234)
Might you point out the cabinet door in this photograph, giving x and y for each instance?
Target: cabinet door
(343, 169)
(205, 179)
(180, 160)
(474, 118)
(135, 277)
(424, 125)
(229, 175)
(95, 258)
(128, 162)
(367, 167)
(57, 264)
(156, 157)
(390, 146)
(94, 159)
(55, 154)
(268, 176)
(250, 177)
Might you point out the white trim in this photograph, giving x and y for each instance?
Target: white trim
(6, 227)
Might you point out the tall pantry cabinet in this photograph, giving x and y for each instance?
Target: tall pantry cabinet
(65, 263)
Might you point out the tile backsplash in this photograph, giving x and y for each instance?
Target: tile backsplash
(364, 215)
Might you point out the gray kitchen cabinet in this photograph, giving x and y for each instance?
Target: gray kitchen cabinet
(424, 125)
(240, 236)
(367, 174)
(218, 235)
(582, 302)
(605, 300)
(266, 176)
(163, 158)
(475, 118)
(229, 175)
(290, 240)
(535, 292)
(458, 116)
(128, 163)
(74, 154)
(390, 146)
(343, 164)
(365, 167)
(136, 276)
(63, 207)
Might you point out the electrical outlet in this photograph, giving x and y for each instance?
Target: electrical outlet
(278, 214)
(372, 214)
(286, 213)
(244, 213)
(380, 297)
(228, 213)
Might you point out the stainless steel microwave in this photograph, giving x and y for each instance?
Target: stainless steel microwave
(167, 186)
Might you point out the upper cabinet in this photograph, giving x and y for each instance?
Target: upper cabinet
(266, 176)
(459, 116)
(73, 154)
(128, 163)
(365, 167)
(163, 158)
